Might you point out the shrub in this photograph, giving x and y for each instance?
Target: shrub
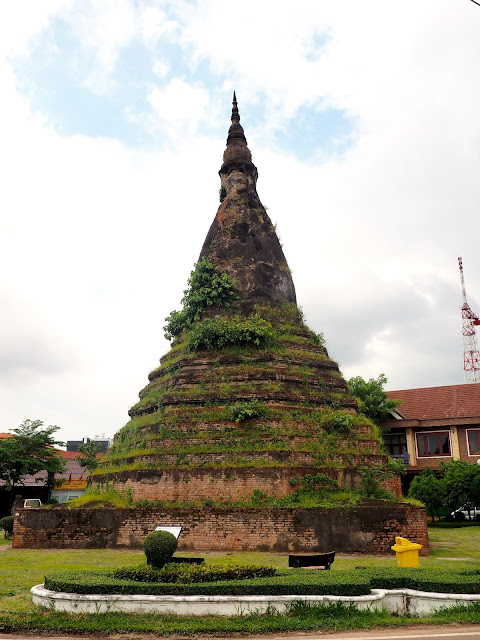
(207, 287)
(317, 338)
(289, 582)
(428, 488)
(339, 422)
(246, 410)
(159, 547)
(319, 482)
(7, 525)
(440, 580)
(193, 573)
(371, 478)
(236, 332)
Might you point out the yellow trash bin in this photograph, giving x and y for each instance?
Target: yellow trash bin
(407, 552)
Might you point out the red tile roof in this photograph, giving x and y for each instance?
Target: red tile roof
(70, 455)
(454, 401)
(66, 455)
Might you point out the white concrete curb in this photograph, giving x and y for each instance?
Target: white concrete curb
(399, 601)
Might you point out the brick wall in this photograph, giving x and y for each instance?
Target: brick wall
(196, 484)
(369, 528)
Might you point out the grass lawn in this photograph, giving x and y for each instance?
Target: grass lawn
(21, 569)
(457, 543)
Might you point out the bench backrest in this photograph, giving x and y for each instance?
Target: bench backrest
(318, 560)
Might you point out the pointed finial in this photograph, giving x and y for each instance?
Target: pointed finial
(235, 114)
(237, 154)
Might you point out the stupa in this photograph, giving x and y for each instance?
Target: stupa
(247, 404)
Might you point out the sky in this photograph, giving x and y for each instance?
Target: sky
(363, 119)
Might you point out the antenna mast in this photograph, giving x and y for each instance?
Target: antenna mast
(470, 320)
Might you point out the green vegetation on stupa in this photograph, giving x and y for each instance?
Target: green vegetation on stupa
(248, 390)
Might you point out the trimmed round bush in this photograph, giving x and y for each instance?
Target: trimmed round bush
(159, 547)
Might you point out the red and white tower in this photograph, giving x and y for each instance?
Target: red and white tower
(470, 320)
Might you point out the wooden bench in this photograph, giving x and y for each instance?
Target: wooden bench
(320, 561)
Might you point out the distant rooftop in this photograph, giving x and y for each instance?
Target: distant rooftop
(453, 401)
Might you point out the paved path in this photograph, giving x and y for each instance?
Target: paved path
(421, 632)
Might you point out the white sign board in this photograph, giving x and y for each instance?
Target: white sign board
(175, 530)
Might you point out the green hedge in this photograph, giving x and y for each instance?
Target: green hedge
(186, 573)
(291, 582)
(447, 579)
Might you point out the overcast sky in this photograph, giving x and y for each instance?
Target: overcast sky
(363, 119)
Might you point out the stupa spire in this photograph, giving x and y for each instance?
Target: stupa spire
(242, 240)
(236, 130)
(237, 155)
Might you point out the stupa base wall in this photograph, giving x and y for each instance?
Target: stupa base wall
(368, 528)
(230, 484)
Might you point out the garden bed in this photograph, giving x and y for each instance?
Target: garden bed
(402, 591)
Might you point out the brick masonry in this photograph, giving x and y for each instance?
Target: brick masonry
(197, 484)
(369, 528)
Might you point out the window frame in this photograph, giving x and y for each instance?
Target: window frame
(432, 433)
(468, 441)
(403, 445)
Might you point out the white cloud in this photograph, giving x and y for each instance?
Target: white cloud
(103, 26)
(154, 23)
(21, 21)
(180, 108)
(98, 239)
(161, 68)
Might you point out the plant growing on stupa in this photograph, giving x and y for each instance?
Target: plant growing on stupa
(207, 287)
(236, 332)
(242, 411)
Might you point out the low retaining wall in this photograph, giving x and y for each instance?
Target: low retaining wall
(368, 528)
(400, 602)
(197, 484)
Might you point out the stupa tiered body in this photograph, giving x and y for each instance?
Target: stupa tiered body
(262, 411)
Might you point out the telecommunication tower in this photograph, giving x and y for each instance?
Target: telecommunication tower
(470, 320)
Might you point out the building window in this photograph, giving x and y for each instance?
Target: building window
(433, 443)
(395, 443)
(473, 439)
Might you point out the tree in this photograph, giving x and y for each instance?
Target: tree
(429, 489)
(89, 459)
(372, 400)
(461, 482)
(28, 451)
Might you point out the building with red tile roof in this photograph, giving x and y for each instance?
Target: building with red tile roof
(434, 424)
(69, 484)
